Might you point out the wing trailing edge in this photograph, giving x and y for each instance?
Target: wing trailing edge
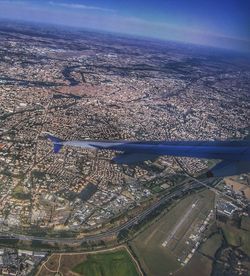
(132, 158)
(229, 168)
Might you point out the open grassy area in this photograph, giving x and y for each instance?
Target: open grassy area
(117, 263)
(237, 237)
(159, 260)
(231, 235)
(211, 245)
(245, 223)
(199, 265)
(245, 239)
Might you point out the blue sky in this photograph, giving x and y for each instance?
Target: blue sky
(222, 23)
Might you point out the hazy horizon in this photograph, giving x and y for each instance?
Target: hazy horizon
(222, 25)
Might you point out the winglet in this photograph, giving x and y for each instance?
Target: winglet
(57, 142)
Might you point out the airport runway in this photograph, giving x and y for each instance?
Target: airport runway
(179, 224)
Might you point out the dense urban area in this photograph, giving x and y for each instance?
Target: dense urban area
(78, 85)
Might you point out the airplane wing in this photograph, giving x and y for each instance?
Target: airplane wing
(57, 142)
(229, 168)
(235, 154)
(222, 169)
(131, 158)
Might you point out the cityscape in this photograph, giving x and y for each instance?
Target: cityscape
(79, 85)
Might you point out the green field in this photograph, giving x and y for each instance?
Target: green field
(161, 261)
(117, 263)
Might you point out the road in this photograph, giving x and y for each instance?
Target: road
(178, 191)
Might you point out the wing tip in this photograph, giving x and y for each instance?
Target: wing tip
(57, 142)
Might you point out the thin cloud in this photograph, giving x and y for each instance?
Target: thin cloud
(80, 6)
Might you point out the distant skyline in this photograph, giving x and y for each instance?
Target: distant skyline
(218, 23)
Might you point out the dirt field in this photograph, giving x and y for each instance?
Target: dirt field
(62, 263)
(237, 186)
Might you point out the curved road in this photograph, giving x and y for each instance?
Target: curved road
(179, 190)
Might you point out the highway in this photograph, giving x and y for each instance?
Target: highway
(176, 192)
